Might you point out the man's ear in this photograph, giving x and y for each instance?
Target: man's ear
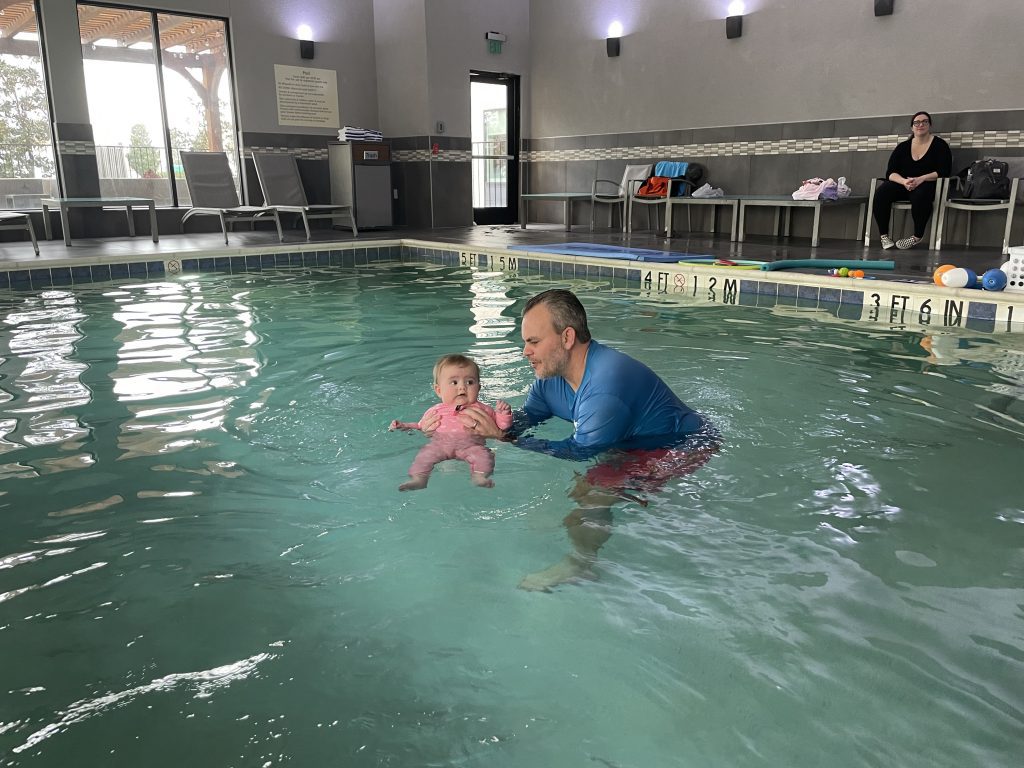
(568, 337)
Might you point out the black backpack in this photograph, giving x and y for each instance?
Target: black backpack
(985, 180)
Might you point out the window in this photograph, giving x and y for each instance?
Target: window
(173, 93)
(27, 168)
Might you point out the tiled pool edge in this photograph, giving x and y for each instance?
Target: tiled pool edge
(893, 304)
(890, 303)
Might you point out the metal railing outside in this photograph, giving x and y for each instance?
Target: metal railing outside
(490, 160)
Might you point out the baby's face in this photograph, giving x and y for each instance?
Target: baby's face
(457, 385)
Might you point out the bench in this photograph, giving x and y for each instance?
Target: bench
(739, 204)
(18, 220)
(66, 203)
(565, 198)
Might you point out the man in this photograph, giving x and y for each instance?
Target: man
(616, 404)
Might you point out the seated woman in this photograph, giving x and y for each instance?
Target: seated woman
(911, 175)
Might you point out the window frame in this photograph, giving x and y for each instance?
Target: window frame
(229, 56)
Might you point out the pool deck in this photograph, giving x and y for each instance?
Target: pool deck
(887, 290)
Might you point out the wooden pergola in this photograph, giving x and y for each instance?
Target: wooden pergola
(194, 47)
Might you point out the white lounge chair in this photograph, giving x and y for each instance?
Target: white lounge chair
(282, 188)
(612, 193)
(212, 189)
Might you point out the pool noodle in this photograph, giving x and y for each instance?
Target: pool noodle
(828, 264)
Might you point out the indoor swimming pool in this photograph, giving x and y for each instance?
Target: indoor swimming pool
(205, 558)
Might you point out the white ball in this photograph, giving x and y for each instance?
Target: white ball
(956, 278)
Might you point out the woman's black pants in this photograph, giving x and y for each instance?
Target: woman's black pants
(922, 201)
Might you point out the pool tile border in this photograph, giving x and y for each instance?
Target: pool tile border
(896, 303)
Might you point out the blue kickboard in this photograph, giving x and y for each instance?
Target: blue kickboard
(600, 251)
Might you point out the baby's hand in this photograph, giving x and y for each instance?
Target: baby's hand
(502, 407)
(404, 425)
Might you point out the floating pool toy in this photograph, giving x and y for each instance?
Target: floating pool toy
(994, 280)
(959, 277)
(731, 263)
(940, 271)
(828, 264)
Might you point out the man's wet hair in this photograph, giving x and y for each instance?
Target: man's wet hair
(566, 311)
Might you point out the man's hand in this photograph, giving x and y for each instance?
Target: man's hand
(479, 423)
(430, 423)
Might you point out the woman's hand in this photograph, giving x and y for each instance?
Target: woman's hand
(479, 423)
(912, 183)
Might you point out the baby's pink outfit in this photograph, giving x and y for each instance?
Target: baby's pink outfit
(451, 440)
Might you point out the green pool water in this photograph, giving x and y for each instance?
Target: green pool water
(205, 560)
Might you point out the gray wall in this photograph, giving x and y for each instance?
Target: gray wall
(401, 53)
(456, 45)
(797, 60)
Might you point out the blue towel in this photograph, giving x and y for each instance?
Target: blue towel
(670, 168)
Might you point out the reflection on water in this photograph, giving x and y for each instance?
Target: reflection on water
(230, 571)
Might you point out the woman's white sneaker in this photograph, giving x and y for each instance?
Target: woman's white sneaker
(907, 242)
(887, 243)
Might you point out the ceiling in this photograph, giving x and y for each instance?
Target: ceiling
(123, 26)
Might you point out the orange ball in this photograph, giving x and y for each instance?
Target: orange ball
(857, 273)
(940, 271)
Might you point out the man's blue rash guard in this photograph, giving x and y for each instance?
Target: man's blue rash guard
(620, 403)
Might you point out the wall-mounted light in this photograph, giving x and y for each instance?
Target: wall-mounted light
(612, 43)
(734, 21)
(883, 7)
(305, 35)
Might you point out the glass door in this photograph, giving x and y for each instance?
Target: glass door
(494, 103)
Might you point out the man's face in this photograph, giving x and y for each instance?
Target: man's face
(457, 385)
(545, 348)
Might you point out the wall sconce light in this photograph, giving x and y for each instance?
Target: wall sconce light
(734, 21)
(305, 35)
(612, 43)
(883, 7)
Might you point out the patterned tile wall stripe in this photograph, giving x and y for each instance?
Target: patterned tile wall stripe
(890, 304)
(76, 147)
(427, 156)
(302, 153)
(397, 155)
(956, 139)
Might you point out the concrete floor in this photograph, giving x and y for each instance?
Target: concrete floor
(917, 263)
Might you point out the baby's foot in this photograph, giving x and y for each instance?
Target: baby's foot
(414, 483)
(481, 480)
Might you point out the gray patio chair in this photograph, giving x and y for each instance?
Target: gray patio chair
(212, 189)
(952, 202)
(282, 188)
(904, 207)
(612, 193)
(17, 220)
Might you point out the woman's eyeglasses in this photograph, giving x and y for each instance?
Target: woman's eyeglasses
(919, 123)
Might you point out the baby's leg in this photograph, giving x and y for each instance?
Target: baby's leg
(415, 482)
(481, 480)
(429, 455)
(481, 464)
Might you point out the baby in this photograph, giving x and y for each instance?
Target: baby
(457, 383)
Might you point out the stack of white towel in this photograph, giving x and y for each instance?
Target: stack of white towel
(351, 133)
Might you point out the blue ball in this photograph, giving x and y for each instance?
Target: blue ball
(993, 280)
